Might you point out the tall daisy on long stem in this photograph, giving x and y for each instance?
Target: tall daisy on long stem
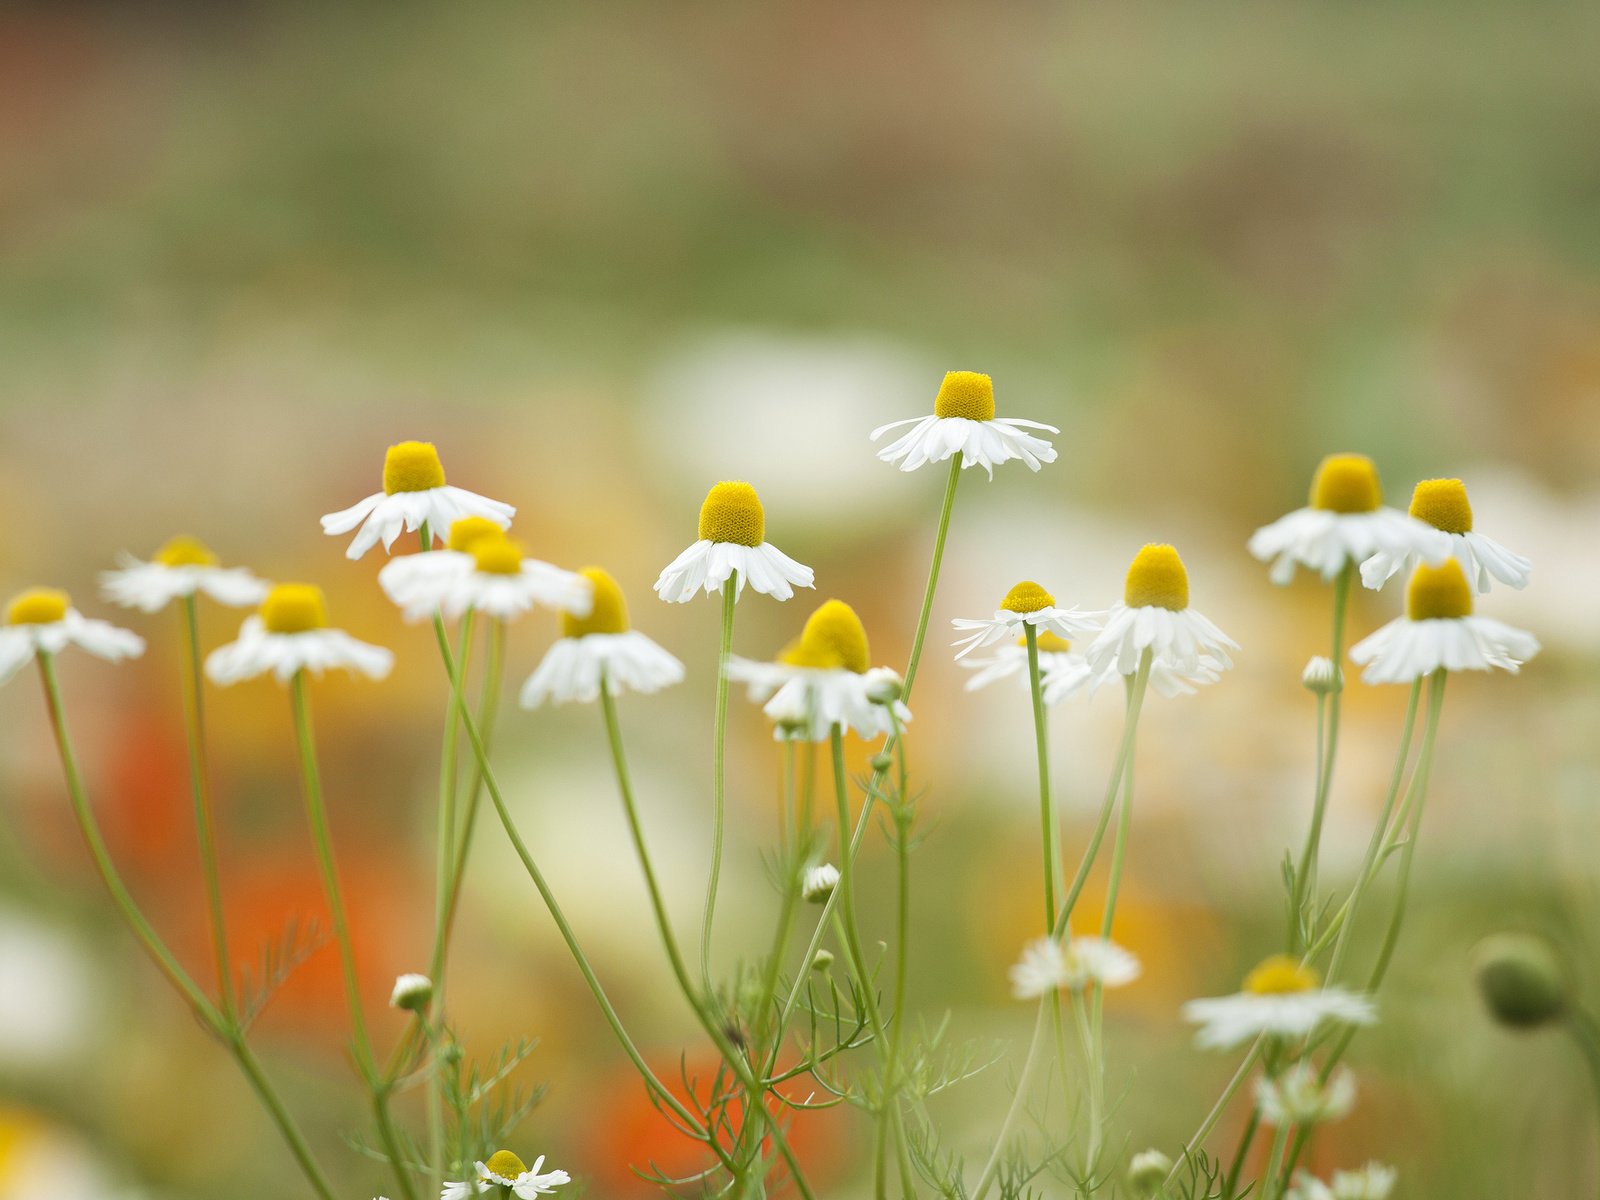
(732, 550)
(415, 498)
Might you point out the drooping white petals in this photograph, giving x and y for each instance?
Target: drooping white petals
(151, 586)
(258, 651)
(1046, 966)
(1324, 541)
(385, 517)
(1405, 650)
(707, 565)
(1299, 1097)
(1182, 640)
(447, 582)
(1068, 623)
(20, 644)
(983, 444)
(1481, 559)
(573, 667)
(1228, 1021)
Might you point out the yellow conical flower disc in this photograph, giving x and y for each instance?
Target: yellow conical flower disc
(294, 608)
(833, 638)
(38, 606)
(496, 555)
(1051, 642)
(505, 1164)
(1281, 975)
(1443, 504)
(1027, 597)
(1346, 483)
(1157, 579)
(966, 394)
(610, 611)
(467, 530)
(412, 467)
(1438, 592)
(184, 551)
(732, 512)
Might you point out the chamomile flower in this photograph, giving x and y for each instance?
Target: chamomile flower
(1443, 504)
(964, 423)
(43, 621)
(1155, 615)
(490, 576)
(1299, 1097)
(1064, 672)
(290, 634)
(412, 992)
(1025, 604)
(1047, 966)
(414, 494)
(1345, 523)
(1439, 631)
(824, 679)
(599, 646)
(1281, 998)
(1372, 1182)
(505, 1170)
(818, 883)
(732, 543)
(179, 569)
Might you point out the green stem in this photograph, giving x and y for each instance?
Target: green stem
(488, 711)
(199, 782)
(933, 570)
(719, 777)
(1212, 1117)
(1119, 847)
(1047, 818)
(1245, 1139)
(276, 1109)
(1024, 1082)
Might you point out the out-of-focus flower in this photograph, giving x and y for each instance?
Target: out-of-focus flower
(1372, 1182)
(732, 543)
(1439, 631)
(1345, 523)
(1443, 504)
(1281, 998)
(1299, 1097)
(819, 883)
(1522, 979)
(1147, 1171)
(822, 680)
(601, 646)
(482, 571)
(1025, 604)
(964, 423)
(43, 621)
(1046, 966)
(414, 494)
(183, 567)
(1155, 615)
(505, 1169)
(1320, 676)
(412, 992)
(290, 634)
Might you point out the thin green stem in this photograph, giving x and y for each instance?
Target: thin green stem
(933, 570)
(279, 1113)
(1047, 816)
(1245, 1139)
(719, 777)
(1119, 847)
(488, 712)
(1018, 1098)
(1090, 1041)
(1210, 1122)
(200, 785)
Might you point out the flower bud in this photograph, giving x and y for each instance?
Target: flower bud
(884, 686)
(1522, 979)
(411, 992)
(1148, 1171)
(819, 883)
(822, 961)
(881, 762)
(1321, 677)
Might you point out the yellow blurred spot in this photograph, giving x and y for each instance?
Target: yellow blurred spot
(732, 512)
(1443, 504)
(1027, 597)
(38, 606)
(1281, 975)
(610, 611)
(496, 555)
(833, 639)
(467, 530)
(185, 551)
(412, 467)
(1346, 483)
(966, 394)
(1157, 579)
(1050, 642)
(1438, 592)
(294, 608)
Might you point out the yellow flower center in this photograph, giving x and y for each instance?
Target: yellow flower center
(1443, 504)
(733, 513)
(38, 606)
(497, 556)
(1050, 642)
(294, 608)
(1281, 975)
(412, 467)
(505, 1164)
(1346, 483)
(467, 530)
(1157, 579)
(833, 638)
(1027, 597)
(610, 611)
(1438, 592)
(185, 551)
(966, 394)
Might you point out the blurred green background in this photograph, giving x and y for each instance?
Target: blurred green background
(605, 255)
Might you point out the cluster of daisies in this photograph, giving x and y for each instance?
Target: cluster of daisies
(824, 681)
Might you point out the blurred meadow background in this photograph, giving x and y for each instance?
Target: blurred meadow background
(605, 255)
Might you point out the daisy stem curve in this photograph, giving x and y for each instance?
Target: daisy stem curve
(956, 461)
(322, 843)
(719, 777)
(1047, 815)
(200, 785)
(225, 1029)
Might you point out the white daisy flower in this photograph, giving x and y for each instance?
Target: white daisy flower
(1025, 604)
(491, 576)
(599, 645)
(823, 680)
(43, 621)
(290, 634)
(1299, 1097)
(411, 992)
(505, 1169)
(1344, 523)
(1443, 504)
(1281, 998)
(1372, 1182)
(1155, 615)
(1047, 966)
(1439, 631)
(414, 494)
(964, 423)
(1065, 672)
(733, 530)
(819, 883)
(181, 568)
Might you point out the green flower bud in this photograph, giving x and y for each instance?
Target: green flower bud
(1522, 978)
(1148, 1171)
(822, 961)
